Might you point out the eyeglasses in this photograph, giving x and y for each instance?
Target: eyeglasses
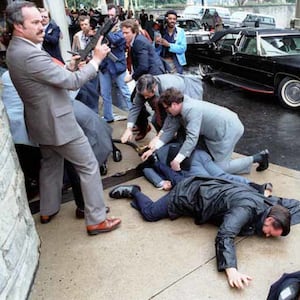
(44, 17)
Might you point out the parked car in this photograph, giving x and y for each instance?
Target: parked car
(256, 59)
(249, 19)
(193, 31)
(204, 15)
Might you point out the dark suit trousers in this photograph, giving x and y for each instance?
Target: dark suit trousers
(80, 154)
(151, 211)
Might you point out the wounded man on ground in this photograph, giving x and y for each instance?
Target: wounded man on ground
(238, 209)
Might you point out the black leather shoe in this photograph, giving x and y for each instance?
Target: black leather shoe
(117, 155)
(123, 191)
(264, 163)
(103, 169)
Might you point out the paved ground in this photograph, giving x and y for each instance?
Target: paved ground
(162, 260)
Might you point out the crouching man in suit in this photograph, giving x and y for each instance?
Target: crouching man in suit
(43, 87)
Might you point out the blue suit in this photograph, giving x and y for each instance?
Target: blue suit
(145, 60)
(51, 41)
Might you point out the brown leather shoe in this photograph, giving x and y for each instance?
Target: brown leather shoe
(142, 134)
(108, 225)
(79, 213)
(46, 219)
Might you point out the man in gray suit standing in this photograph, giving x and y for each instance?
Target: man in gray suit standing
(43, 87)
(220, 128)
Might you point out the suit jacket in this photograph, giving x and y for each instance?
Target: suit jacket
(96, 130)
(51, 41)
(144, 58)
(218, 126)
(15, 111)
(43, 87)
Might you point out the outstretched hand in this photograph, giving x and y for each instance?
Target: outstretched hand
(175, 165)
(127, 135)
(237, 279)
(146, 154)
(153, 142)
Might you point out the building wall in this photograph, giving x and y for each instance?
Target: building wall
(19, 242)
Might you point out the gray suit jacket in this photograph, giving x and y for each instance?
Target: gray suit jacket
(187, 84)
(43, 87)
(218, 125)
(98, 132)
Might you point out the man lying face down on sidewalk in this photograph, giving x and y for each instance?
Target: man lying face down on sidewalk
(238, 209)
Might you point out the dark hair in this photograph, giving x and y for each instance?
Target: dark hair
(145, 83)
(170, 96)
(111, 6)
(282, 218)
(171, 12)
(14, 14)
(131, 23)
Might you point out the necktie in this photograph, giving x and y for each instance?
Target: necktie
(156, 108)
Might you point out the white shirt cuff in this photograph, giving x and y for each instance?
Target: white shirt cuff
(94, 64)
(179, 157)
(159, 144)
(130, 125)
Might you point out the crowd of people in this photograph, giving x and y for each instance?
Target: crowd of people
(190, 156)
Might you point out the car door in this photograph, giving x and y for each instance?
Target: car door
(223, 53)
(252, 62)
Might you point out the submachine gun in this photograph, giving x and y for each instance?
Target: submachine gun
(102, 30)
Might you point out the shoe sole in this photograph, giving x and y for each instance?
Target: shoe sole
(98, 231)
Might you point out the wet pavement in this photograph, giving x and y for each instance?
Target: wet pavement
(267, 124)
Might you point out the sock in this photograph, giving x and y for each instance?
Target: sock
(135, 190)
(257, 158)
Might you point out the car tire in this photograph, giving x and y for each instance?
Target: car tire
(289, 93)
(205, 70)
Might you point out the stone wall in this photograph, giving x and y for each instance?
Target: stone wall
(19, 242)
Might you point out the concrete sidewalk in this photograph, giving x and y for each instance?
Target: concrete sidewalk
(162, 260)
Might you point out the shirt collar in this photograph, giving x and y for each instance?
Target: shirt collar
(39, 46)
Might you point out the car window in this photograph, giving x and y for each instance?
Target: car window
(249, 46)
(280, 45)
(227, 41)
(250, 18)
(188, 25)
(209, 12)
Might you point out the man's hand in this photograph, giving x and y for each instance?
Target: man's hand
(127, 135)
(237, 279)
(73, 64)
(162, 42)
(146, 154)
(153, 142)
(175, 165)
(100, 51)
